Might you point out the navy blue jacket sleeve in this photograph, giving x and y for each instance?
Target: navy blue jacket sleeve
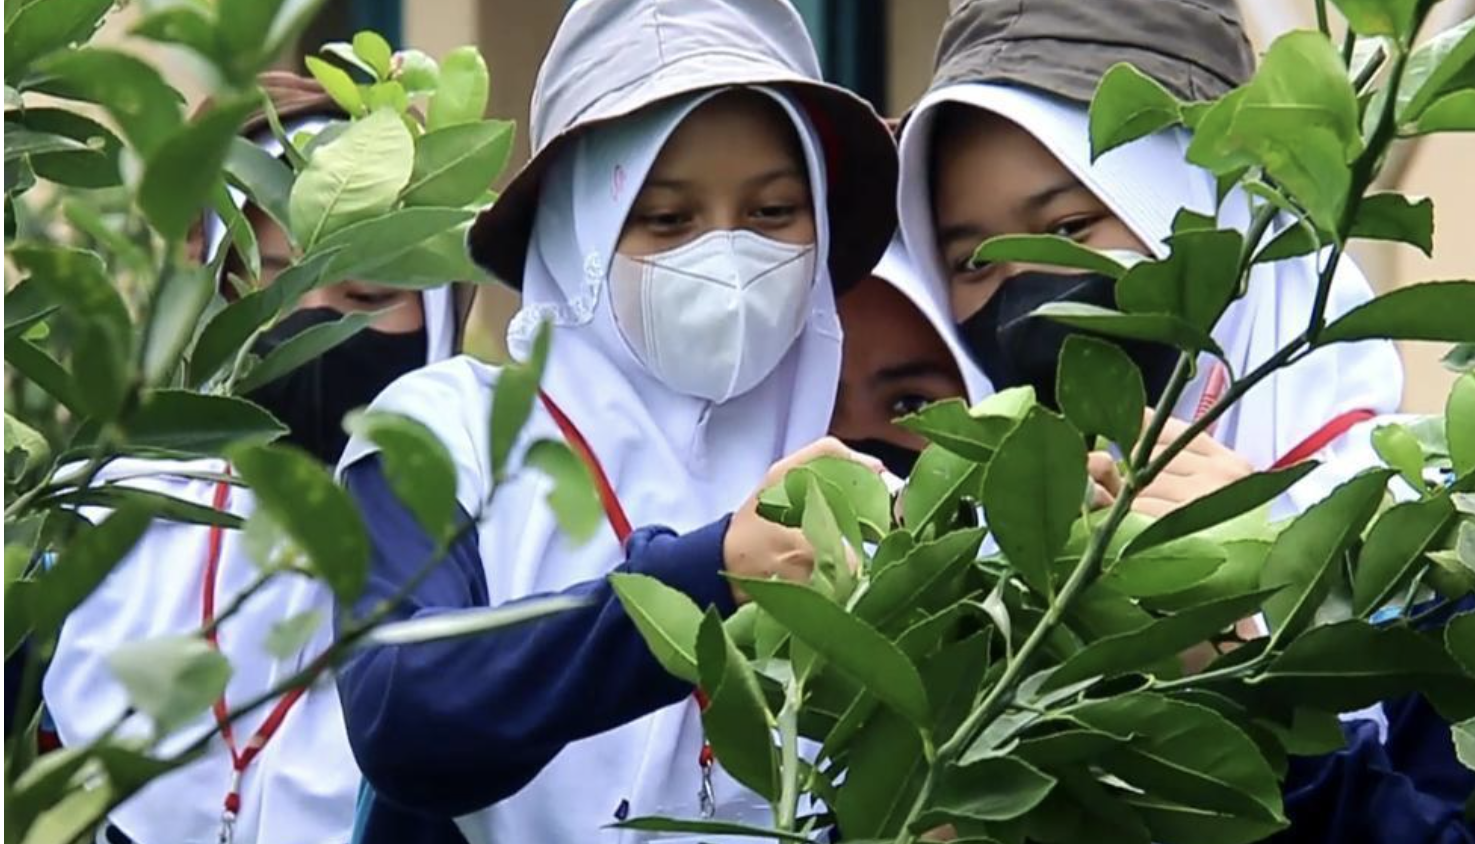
(451, 727)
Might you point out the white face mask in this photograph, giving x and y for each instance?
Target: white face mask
(712, 318)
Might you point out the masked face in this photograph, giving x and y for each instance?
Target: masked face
(312, 399)
(714, 317)
(1015, 349)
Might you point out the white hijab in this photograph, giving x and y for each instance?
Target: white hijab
(672, 459)
(302, 788)
(1145, 183)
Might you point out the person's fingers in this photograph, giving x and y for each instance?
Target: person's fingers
(1101, 497)
(1102, 469)
(1155, 507)
(825, 447)
(1175, 488)
(1186, 463)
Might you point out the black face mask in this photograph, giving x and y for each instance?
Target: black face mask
(898, 460)
(1016, 350)
(312, 399)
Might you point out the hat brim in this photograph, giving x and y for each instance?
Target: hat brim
(860, 161)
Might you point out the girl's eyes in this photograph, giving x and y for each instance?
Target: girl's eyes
(373, 299)
(1072, 228)
(664, 219)
(775, 212)
(907, 404)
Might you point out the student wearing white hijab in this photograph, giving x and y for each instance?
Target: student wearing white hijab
(901, 354)
(300, 785)
(1016, 160)
(1000, 145)
(683, 228)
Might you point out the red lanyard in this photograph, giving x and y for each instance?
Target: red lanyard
(1323, 437)
(620, 523)
(240, 759)
(1305, 449)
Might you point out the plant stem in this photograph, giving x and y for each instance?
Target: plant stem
(256, 585)
(788, 730)
(1321, 19)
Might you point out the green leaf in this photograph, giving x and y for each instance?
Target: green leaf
(1048, 250)
(369, 244)
(344, 52)
(1395, 217)
(78, 283)
(1393, 547)
(41, 369)
(1033, 492)
(29, 442)
(266, 179)
(1099, 389)
(1463, 735)
(417, 466)
(1196, 282)
(938, 483)
(290, 635)
(1186, 753)
(996, 789)
(39, 27)
(1293, 242)
(418, 73)
(441, 259)
(83, 565)
(1353, 664)
(374, 50)
(233, 325)
(142, 104)
(94, 166)
(356, 176)
(736, 720)
(1433, 68)
(846, 643)
(976, 433)
(572, 498)
(1394, 18)
(185, 25)
(512, 401)
(849, 482)
(298, 492)
(114, 496)
(1128, 104)
(1400, 450)
(300, 348)
(1141, 648)
(390, 95)
(339, 85)
(464, 86)
(1162, 328)
(1459, 633)
(1218, 507)
(1305, 556)
(902, 586)
(1459, 424)
(173, 679)
(822, 532)
(666, 618)
(178, 303)
(464, 623)
(454, 166)
(1172, 822)
(1167, 568)
(699, 827)
(1433, 310)
(244, 28)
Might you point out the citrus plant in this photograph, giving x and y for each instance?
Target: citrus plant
(119, 343)
(1019, 679)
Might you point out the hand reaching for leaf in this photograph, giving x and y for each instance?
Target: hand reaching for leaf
(1203, 467)
(757, 547)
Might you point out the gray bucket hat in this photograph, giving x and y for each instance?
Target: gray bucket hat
(1197, 49)
(611, 58)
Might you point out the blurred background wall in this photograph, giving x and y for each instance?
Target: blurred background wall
(883, 50)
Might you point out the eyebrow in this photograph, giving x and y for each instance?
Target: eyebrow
(947, 235)
(907, 370)
(1040, 198)
(787, 171)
